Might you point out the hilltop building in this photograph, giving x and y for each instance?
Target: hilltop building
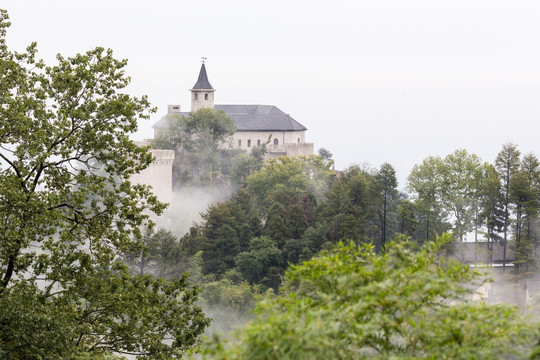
(254, 123)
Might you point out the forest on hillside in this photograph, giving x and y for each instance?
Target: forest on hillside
(317, 264)
(287, 211)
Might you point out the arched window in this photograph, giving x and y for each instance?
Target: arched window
(196, 96)
(276, 142)
(205, 96)
(249, 143)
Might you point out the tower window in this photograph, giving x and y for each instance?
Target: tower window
(239, 143)
(196, 96)
(249, 143)
(205, 96)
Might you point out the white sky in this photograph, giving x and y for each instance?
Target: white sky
(372, 80)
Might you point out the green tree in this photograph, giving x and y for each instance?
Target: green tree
(525, 199)
(460, 176)
(262, 264)
(276, 224)
(288, 176)
(245, 164)
(326, 156)
(67, 210)
(296, 222)
(384, 186)
(491, 200)
(354, 303)
(201, 141)
(407, 218)
(507, 164)
(347, 204)
(424, 183)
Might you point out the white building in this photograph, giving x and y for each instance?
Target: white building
(254, 123)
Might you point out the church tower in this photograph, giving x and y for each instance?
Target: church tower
(202, 94)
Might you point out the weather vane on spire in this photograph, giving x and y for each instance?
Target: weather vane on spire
(203, 59)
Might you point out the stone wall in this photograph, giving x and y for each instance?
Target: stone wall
(158, 174)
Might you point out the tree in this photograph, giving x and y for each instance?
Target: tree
(296, 175)
(276, 227)
(262, 264)
(460, 176)
(507, 164)
(347, 204)
(408, 222)
(326, 156)
(424, 182)
(201, 141)
(68, 210)
(384, 189)
(525, 199)
(491, 203)
(354, 303)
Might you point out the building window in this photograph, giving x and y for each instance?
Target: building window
(249, 143)
(239, 143)
(258, 142)
(299, 140)
(205, 96)
(276, 143)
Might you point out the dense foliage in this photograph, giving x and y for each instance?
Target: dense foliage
(353, 302)
(67, 210)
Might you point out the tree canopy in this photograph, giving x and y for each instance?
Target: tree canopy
(68, 209)
(354, 303)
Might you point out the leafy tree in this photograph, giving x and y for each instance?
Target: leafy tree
(163, 256)
(262, 264)
(201, 141)
(67, 210)
(244, 164)
(229, 303)
(288, 176)
(354, 303)
(424, 183)
(460, 176)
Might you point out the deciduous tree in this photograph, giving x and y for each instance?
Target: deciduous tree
(68, 209)
(355, 303)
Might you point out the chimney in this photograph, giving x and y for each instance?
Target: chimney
(173, 109)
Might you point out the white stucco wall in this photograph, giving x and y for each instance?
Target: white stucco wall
(283, 137)
(158, 174)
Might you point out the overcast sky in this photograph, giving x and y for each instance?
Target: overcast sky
(373, 81)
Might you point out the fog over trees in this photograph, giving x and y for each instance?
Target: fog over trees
(335, 264)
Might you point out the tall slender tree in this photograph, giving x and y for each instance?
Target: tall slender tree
(384, 186)
(507, 164)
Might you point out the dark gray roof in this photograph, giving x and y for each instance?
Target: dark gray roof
(260, 118)
(202, 81)
(252, 118)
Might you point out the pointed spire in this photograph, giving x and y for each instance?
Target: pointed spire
(202, 82)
